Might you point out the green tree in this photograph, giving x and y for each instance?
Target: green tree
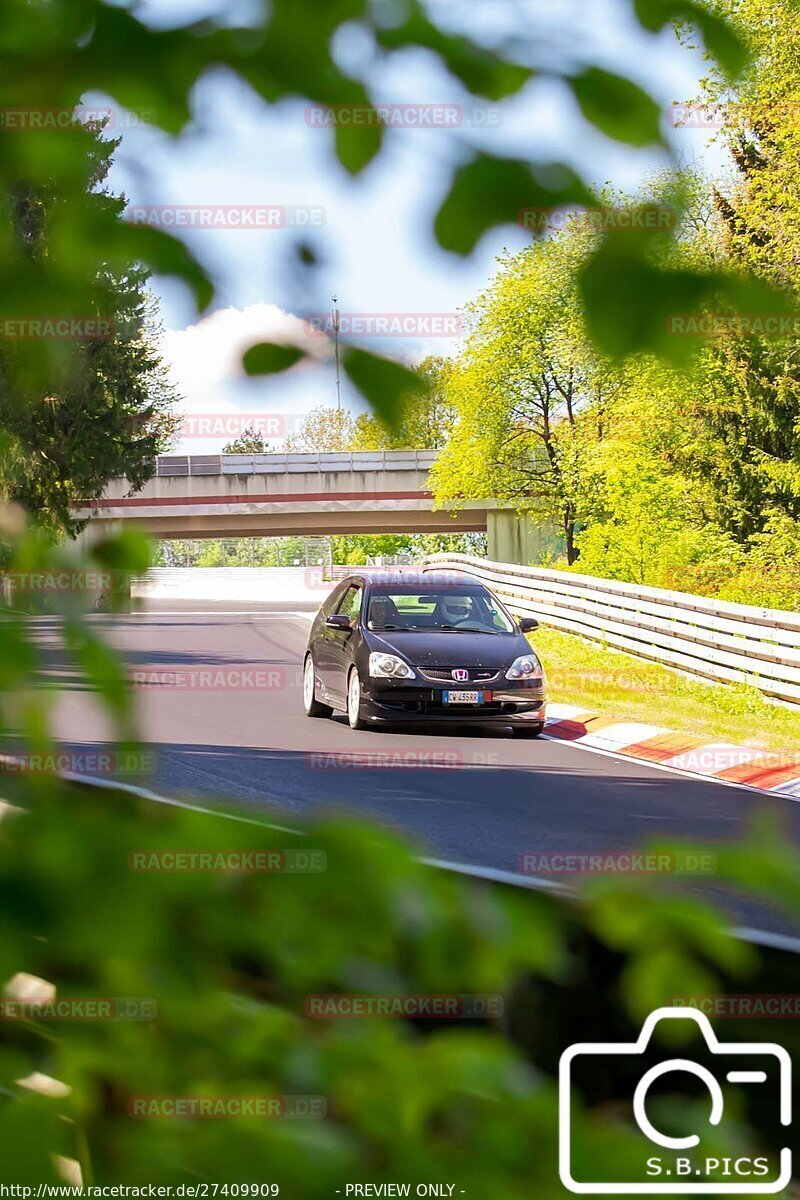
(357, 549)
(104, 405)
(452, 543)
(746, 408)
(424, 418)
(250, 441)
(324, 430)
(647, 527)
(528, 388)
(746, 405)
(211, 554)
(760, 126)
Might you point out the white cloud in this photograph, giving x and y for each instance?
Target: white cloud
(205, 359)
(205, 366)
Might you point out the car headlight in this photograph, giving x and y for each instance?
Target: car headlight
(388, 666)
(528, 667)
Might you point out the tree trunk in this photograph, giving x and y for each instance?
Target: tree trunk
(569, 536)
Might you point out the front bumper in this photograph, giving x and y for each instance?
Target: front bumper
(394, 700)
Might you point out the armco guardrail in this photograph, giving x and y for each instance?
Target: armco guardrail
(283, 464)
(729, 643)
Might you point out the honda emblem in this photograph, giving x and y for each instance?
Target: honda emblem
(460, 675)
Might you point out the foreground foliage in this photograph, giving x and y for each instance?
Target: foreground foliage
(227, 964)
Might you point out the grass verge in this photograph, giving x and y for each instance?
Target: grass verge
(610, 681)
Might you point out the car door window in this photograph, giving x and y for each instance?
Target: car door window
(351, 603)
(331, 604)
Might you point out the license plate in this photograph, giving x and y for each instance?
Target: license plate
(463, 697)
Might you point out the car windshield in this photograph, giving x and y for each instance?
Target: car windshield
(441, 610)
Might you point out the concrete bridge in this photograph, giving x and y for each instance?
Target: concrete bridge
(270, 495)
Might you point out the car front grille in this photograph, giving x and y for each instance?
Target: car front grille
(406, 700)
(444, 675)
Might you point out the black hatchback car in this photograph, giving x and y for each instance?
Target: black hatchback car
(429, 649)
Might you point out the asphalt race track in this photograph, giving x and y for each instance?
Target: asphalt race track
(496, 799)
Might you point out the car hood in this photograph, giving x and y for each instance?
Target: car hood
(426, 649)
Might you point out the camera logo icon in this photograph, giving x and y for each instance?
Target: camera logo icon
(676, 1171)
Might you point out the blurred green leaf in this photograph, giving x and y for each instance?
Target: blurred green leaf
(125, 551)
(164, 254)
(144, 68)
(382, 382)
(497, 191)
(720, 38)
(32, 1131)
(650, 978)
(268, 358)
(17, 657)
(612, 286)
(483, 72)
(765, 863)
(101, 665)
(357, 145)
(671, 323)
(617, 107)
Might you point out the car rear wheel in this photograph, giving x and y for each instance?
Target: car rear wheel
(527, 731)
(312, 705)
(354, 706)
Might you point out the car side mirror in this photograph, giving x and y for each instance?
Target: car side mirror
(338, 621)
(528, 624)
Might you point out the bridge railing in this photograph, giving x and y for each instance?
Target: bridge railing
(713, 639)
(283, 464)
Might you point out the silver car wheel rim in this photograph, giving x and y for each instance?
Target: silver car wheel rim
(308, 684)
(354, 697)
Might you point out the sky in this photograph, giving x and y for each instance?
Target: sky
(371, 235)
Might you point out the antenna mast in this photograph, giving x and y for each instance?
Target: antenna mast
(335, 320)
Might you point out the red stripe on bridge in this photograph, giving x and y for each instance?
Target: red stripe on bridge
(268, 497)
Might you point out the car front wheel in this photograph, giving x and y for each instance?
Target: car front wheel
(310, 702)
(354, 705)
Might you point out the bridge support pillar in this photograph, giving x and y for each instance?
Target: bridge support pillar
(513, 538)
